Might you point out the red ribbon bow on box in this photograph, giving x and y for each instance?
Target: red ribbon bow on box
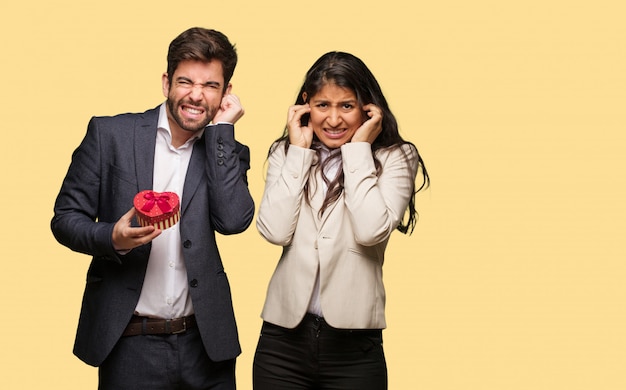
(161, 200)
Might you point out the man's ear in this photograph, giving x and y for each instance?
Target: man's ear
(228, 88)
(165, 83)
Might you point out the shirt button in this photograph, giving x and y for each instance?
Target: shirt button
(220, 162)
(220, 147)
(171, 264)
(220, 154)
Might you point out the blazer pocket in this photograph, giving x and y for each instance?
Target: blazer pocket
(121, 187)
(367, 255)
(118, 174)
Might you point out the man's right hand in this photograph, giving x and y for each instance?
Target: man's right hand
(126, 237)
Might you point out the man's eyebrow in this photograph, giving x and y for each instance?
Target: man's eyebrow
(209, 83)
(212, 83)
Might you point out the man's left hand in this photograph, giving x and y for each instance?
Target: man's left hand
(230, 110)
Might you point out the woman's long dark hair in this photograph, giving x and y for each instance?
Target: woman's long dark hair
(348, 71)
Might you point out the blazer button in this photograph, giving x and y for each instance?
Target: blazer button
(193, 283)
(187, 244)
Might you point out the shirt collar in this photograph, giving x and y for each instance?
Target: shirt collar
(163, 126)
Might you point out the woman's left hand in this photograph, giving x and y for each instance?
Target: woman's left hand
(372, 127)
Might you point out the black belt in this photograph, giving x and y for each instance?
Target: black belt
(144, 325)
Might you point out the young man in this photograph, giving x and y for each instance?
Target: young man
(157, 310)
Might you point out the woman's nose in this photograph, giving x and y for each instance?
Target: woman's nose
(333, 119)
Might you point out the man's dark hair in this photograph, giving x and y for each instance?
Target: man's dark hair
(202, 44)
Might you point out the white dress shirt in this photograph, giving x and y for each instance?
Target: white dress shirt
(165, 290)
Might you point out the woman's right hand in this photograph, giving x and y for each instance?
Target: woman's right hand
(299, 135)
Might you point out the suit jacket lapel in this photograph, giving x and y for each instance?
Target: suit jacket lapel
(318, 199)
(329, 210)
(145, 141)
(195, 172)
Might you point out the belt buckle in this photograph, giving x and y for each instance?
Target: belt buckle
(183, 329)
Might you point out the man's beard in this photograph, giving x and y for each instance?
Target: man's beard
(209, 113)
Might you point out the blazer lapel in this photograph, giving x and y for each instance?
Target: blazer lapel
(318, 199)
(329, 210)
(145, 141)
(195, 172)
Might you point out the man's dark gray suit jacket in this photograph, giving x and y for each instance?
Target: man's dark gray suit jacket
(115, 161)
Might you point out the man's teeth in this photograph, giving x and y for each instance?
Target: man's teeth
(193, 110)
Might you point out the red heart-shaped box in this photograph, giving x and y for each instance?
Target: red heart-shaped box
(159, 209)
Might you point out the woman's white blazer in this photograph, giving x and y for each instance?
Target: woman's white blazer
(346, 243)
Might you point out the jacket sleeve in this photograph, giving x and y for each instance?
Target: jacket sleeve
(76, 208)
(284, 186)
(231, 205)
(376, 203)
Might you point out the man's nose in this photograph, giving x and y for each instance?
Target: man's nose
(197, 92)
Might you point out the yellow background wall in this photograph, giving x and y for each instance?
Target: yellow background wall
(515, 275)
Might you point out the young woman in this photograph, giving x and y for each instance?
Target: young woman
(339, 182)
